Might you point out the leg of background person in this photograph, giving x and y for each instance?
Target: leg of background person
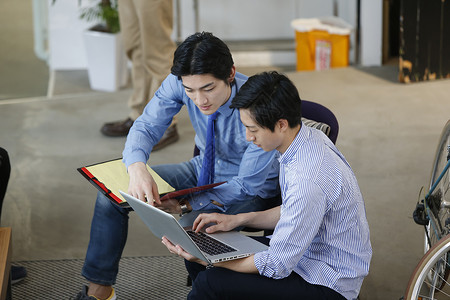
(146, 27)
(157, 55)
(5, 171)
(130, 32)
(18, 273)
(156, 48)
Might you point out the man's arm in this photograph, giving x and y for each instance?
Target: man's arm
(146, 132)
(243, 265)
(148, 129)
(263, 219)
(266, 219)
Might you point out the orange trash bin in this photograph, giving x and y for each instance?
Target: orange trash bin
(321, 43)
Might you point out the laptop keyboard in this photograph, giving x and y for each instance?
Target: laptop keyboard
(208, 244)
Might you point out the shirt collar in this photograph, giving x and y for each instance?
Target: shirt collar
(298, 141)
(225, 109)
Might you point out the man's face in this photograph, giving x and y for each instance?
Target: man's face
(262, 137)
(207, 92)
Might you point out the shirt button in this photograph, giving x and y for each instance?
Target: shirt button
(201, 203)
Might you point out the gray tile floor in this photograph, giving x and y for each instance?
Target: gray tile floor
(388, 132)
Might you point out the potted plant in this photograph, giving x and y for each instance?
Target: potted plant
(105, 12)
(107, 63)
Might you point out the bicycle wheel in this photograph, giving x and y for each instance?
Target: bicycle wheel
(428, 278)
(439, 200)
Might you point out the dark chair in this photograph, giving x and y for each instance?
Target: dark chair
(319, 113)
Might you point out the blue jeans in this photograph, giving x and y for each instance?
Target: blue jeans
(109, 227)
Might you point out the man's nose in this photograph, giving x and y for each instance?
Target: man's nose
(249, 137)
(200, 98)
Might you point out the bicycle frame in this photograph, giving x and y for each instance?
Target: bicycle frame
(434, 226)
(429, 279)
(421, 219)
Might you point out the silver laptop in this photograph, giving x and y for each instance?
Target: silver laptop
(211, 248)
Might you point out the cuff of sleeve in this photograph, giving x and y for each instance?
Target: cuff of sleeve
(204, 202)
(261, 260)
(135, 157)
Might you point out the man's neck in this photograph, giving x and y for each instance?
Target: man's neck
(289, 137)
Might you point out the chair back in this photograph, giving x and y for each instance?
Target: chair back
(319, 113)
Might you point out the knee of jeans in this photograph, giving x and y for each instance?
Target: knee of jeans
(102, 201)
(104, 204)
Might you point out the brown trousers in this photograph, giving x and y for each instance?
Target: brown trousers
(146, 27)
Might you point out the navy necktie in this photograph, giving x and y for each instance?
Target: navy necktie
(207, 171)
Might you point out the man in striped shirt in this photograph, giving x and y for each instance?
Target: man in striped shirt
(320, 248)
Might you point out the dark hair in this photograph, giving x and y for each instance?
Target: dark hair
(203, 53)
(270, 96)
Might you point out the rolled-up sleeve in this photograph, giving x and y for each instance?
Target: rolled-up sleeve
(148, 129)
(301, 216)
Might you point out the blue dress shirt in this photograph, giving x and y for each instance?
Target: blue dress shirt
(248, 170)
(322, 234)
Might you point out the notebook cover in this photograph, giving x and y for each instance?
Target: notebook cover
(111, 176)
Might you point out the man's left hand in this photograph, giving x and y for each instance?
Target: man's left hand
(171, 206)
(176, 249)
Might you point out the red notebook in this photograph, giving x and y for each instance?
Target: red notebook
(111, 176)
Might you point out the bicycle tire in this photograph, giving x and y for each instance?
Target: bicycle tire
(441, 194)
(438, 254)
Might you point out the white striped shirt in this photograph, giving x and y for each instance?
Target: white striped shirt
(322, 234)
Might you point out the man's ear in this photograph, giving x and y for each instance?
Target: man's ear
(232, 74)
(283, 125)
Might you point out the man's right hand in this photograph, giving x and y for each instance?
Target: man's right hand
(221, 222)
(142, 185)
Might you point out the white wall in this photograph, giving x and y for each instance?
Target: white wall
(240, 19)
(229, 20)
(371, 32)
(66, 48)
(257, 19)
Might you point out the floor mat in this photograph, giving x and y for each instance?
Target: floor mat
(155, 277)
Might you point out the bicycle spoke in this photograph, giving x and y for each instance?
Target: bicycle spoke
(438, 282)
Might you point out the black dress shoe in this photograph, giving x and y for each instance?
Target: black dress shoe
(119, 128)
(18, 273)
(169, 137)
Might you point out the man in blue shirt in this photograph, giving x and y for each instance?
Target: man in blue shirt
(203, 78)
(320, 248)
